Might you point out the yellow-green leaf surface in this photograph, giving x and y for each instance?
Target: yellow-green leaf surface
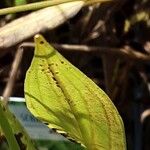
(63, 97)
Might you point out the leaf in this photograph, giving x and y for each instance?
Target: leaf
(14, 132)
(20, 2)
(64, 98)
(3, 141)
(6, 128)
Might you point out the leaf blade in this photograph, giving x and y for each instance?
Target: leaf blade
(78, 106)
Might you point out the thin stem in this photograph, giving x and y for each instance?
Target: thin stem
(39, 5)
(32, 6)
(91, 2)
(125, 52)
(13, 145)
(12, 76)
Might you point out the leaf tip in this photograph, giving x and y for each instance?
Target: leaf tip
(38, 39)
(42, 47)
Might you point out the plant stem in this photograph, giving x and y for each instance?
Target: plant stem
(39, 5)
(13, 145)
(91, 2)
(32, 6)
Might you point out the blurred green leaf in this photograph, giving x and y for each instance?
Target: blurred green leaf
(20, 2)
(12, 128)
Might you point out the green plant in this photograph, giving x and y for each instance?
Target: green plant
(15, 134)
(65, 99)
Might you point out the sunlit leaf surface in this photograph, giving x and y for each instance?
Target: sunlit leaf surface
(64, 98)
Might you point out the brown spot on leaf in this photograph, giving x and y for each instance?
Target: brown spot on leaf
(50, 64)
(41, 42)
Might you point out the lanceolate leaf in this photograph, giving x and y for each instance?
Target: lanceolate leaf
(63, 97)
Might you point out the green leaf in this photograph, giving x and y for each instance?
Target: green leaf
(13, 131)
(6, 128)
(20, 2)
(63, 97)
